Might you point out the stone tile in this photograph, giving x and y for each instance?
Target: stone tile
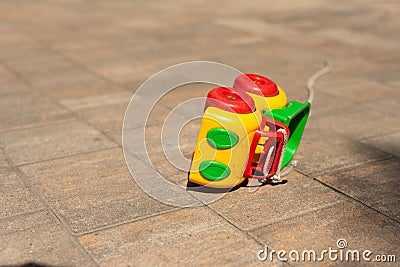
(119, 71)
(106, 111)
(360, 121)
(116, 136)
(388, 103)
(39, 238)
(59, 77)
(387, 73)
(14, 38)
(248, 209)
(375, 184)
(188, 137)
(323, 150)
(389, 142)
(41, 64)
(163, 186)
(69, 46)
(14, 87)
(81, 103)
(176, 238)
(357, 89)
(92, 190)
(89, 57)
(16, 197)
(357, 38)
(326, 104)
(361, 227)
(4, 164)
(6, 76)
(157, 137)
(173, 167)
(15, 42)
(75, 83)
(185, 93)
(52, 141)
(21, 110)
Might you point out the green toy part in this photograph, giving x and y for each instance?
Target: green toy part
(214, 170)
(222, 138)
(294, 116)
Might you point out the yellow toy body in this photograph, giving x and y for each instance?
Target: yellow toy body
(235, 158)
(238, 136)
(270, 103)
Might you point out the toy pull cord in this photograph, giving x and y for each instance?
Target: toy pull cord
(312, 79)
(296, 122)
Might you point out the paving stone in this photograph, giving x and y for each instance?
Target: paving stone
(52, 141)
(361, 228)
(326, 104)
(6, 76)
(374, 184)
(170, 166)
(357, 38)
(249, 207)
(106, 111)
(323, 150)
(14, 38)
(388, 103)
(358, 89)
(160, 186)
(41, 65)
(389, 142)
(184, 93)
(14, 87)
(185, 237)
(157, 137)
(92, 190)
(16, 197)
(60, 78)
(116, 136)
(358, 122)
(118, 70)
(15, 44)
(73, 84)
(39, 238)
(78, 41)
(4, 164)
(27, 109)
(188, 137)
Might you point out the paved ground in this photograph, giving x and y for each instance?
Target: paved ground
(69, 68)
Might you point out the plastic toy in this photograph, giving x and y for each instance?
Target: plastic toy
(248, 131)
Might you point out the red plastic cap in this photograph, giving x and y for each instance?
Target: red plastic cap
(231, 100)
(256, 84)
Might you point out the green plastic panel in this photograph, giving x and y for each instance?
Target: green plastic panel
(294, 116)
(214, 170)
(222, 138)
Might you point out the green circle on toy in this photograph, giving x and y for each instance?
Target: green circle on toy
(214, 170)
(222, 138)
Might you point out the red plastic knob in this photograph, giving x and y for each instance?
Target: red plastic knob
(231, 100)
(256, 84)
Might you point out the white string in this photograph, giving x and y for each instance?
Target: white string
(310, 87)
(278, 175)
(271, 149)
(312, 79)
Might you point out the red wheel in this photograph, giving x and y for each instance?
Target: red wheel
(230, 100)
(256, 84)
